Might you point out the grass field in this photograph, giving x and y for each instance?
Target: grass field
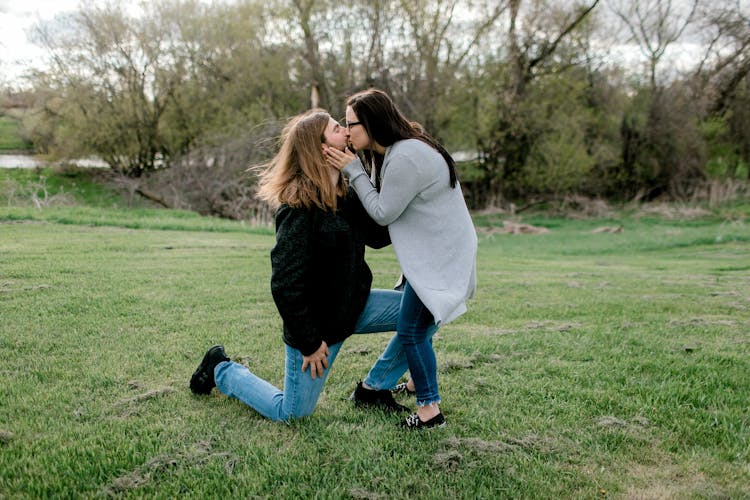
(589, 365)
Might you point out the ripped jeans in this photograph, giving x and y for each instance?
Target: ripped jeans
(301, 392)
(411, 348)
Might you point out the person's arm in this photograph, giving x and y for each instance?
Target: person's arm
(374, 235)
(400, 185)
(290, 269)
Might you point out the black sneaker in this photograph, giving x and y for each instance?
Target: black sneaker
(203, 380)
(371, 398)
(413, 422)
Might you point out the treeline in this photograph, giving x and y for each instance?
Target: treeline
(182, 96)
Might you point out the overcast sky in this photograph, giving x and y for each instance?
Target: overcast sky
(16, 17)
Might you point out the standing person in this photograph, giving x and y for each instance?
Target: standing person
(320, 281)
(417, 195)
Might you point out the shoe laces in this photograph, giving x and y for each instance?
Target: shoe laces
(413, 420)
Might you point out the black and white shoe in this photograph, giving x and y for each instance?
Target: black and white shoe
(413, 422)
(400, 284)
(203, 380)
(371, 398)
(403, 388)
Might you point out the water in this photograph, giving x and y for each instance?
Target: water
(29, 161)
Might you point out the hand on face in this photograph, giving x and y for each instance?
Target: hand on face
(337, 159)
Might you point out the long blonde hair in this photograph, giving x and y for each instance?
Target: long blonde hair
(298, 175)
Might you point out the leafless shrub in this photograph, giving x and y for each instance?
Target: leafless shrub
(34, 194)
(673, 212)
(717, 192)
(213, 179)
(583, 207)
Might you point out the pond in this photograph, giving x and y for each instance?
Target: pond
(30, 161)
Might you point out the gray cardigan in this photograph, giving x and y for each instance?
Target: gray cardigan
(430, 226)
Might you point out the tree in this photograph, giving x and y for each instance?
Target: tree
(139, 91)
(510, 130)
(436, 48)
(329, 40)
(559, 161)
(520, 85)
(654, 25)
(109, 73)
(724, 76)
(663, 152)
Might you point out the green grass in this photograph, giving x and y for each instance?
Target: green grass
(588, 365)
(10, 137)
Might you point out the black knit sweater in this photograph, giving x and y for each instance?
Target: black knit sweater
(320, 280)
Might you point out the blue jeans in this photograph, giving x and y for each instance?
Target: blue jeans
(301, 392)
(410, 348)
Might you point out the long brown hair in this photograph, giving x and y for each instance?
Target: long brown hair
(386, 125)
(298, 175)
